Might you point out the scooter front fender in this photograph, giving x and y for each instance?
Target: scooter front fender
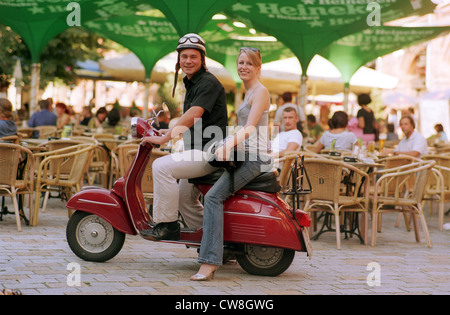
(104, 204)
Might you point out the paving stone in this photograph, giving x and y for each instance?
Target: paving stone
(35, 261)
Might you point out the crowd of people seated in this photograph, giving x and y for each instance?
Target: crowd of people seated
(295, 129)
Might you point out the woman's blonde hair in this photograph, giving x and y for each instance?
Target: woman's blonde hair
(253, 54)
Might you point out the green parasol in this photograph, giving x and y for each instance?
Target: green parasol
(350, 53)
(150, 38)
(308, 26)
(38, 21)
(190, 16)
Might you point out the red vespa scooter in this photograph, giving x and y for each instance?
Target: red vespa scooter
(260, 229)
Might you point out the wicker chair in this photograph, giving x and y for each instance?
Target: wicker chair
(385, 200)
(46, 131)
(286, 164)
(100, 162)
(327, 195)
(49, 177)
(15, 139)
(65, 168)
(147, 179)
(13, 182)
(393, 162)
(438, 186)
(120, 162)
(444, 150)
(26, 132)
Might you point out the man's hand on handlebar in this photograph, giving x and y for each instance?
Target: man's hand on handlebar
(159, 140)
(162, 131)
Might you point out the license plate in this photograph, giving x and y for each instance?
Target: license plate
(307, 240)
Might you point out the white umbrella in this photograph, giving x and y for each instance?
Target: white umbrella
(278, 76)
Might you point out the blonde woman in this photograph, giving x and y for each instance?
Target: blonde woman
(252, 134)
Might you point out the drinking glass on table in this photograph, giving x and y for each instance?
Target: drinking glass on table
(382, 138)
(371, 147)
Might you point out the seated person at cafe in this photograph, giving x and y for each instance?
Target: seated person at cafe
(315, 129)
(413, 143)
(7, 125)
(343, 139)
(44, 117)
(100, 118)
(440, 134)
(291, 138)
(63, 115)
(391, 134)
(86, 116)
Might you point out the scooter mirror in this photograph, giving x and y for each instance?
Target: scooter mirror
(154, 116)
(166, 109)
(154, 119)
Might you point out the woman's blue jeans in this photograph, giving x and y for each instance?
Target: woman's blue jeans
(211, 250)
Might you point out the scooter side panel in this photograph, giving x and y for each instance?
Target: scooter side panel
(104, 204)
(269, 224)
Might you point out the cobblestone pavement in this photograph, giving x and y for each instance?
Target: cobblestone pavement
(36, 261)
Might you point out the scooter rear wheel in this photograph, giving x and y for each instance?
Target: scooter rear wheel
(92, 238)
(265, 261)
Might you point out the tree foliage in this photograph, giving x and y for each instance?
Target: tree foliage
(58, 59)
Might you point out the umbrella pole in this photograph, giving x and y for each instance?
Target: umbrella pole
(346, 96)
(35, 76)
(147, 95)
(303, 92)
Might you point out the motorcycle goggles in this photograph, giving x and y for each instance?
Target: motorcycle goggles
(192, 39)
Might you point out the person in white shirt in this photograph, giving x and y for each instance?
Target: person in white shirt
(287, 102)
(291, 138)
(413, 143)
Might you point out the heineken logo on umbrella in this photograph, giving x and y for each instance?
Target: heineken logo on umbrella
(311, 8)
(138, 28)
(385, 36)
(317, 9)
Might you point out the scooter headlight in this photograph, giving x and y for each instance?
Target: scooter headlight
(133, 128)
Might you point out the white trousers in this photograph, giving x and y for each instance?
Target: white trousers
(169, 197)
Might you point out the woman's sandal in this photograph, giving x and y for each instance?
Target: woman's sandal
(200, 277)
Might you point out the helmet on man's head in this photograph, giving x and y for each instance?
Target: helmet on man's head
(191, 41)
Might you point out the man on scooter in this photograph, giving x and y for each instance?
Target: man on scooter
(204, 108)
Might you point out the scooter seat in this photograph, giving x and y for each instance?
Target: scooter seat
(266, 182)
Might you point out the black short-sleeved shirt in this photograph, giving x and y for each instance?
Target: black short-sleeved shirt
(205, 90)
(369, 119)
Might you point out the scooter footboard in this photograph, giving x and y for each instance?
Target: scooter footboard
(104, 204)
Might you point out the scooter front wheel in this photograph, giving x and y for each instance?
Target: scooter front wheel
(92, 238)
(265, 261)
